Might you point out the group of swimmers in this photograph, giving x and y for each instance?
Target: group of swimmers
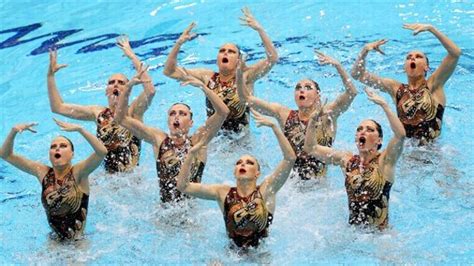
(305, 135)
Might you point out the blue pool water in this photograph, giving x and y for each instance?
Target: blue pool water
(431, 204)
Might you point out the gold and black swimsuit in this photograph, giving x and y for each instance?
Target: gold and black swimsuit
(307, 166)
(123, 148)
(420, 114)
(246, 218)
(168, 164)
(65, 205)
(238, 118)
(368, 193)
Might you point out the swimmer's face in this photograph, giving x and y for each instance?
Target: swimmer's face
(306, 94)
(60, 152)
(115, 86)
(179, 120)
(247, 167)
(227, 58)
(416, 64)
(367, 137)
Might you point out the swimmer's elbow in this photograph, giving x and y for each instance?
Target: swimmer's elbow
(456, 52)
(102, 152)
(356, 73)
(273, 58)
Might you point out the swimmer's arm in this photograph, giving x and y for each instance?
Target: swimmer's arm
(137, 127)
(87, 166)
(446, 69)
(270, 109)
(344, 100)
(56, 102)
(6, 152)
(360, 73)
(323, 153)
(262, 67)
(141, 104)
(395, 146)
(174, 71)
(215, 121)
(277, 179)
(209, 192)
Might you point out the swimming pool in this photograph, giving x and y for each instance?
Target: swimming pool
(431, 212)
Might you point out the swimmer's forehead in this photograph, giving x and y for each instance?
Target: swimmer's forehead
(179, 107)
(229, 46)
(119, 76)
(59, 139)
(414, 52)
(247, 156)
(368, 123)
(305, 82)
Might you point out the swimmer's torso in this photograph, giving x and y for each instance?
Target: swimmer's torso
(420, 114)
(168, 164)
(123, 148)
(65, 204)
(246, 218)
(238, 117)
(307, 166)
(368, 193)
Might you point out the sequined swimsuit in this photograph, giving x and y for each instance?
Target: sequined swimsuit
(65, 204)
(368, 193)
(307, 166)
(169, 161)
(246, 218)
(123, 149)
(420, 114)
(238, 118)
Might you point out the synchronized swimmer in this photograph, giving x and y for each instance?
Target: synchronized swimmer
(305, 135)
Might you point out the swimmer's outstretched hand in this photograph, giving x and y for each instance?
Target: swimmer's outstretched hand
(261, 120)
(374, 97)
(318, 113)
(124, 44)
(325, 59)
(189, 79)
(249, 20)
(187, 34)
(197, 147)
(417, 27)
(138, 78)
(67, 126)
(22, 127)
(53, 62)
(376, 46)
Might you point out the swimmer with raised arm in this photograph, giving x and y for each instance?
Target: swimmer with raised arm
(171, 148)
(294, 122)
(248, 208)
(370, 173)
(123, 147)
(420, 103)
(65, 187)
(223, 81)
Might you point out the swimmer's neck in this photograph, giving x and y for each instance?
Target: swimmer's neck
(305, 113)
(178, 139)
(415, 82)
(246, 187)
(226, 75)
(367, 156)
(61, 170)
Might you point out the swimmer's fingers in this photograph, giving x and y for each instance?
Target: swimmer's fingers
(198, 146)
(187, 34)
(30, 126)
(67, 126)
(260, 119)
(53, 61)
